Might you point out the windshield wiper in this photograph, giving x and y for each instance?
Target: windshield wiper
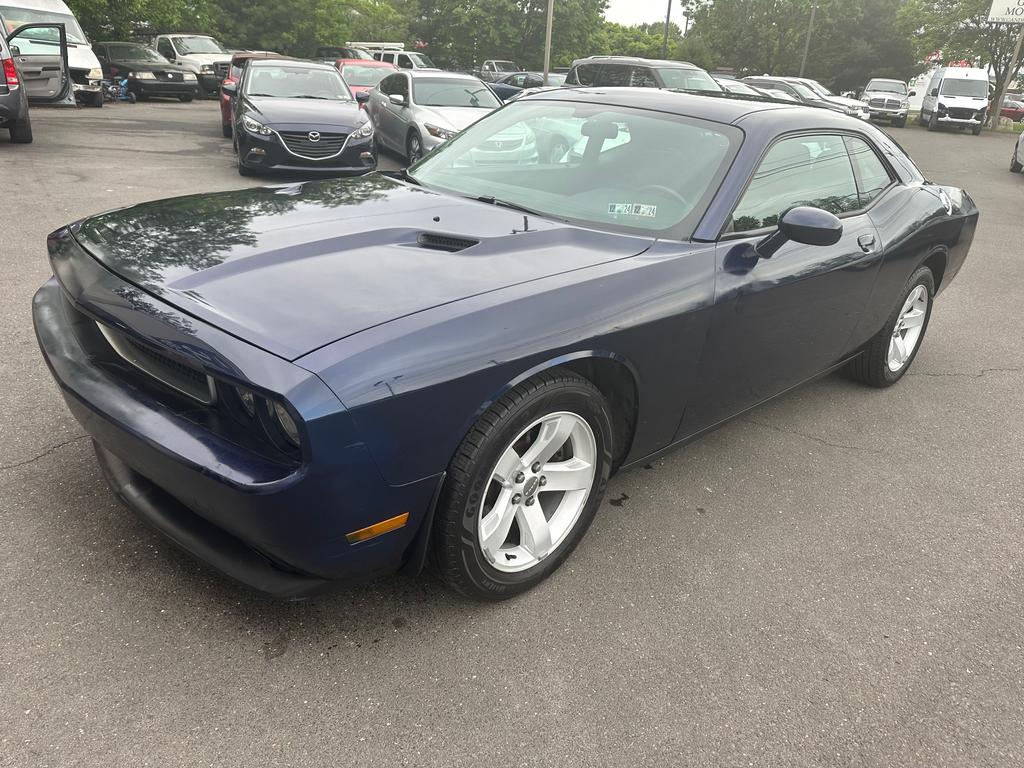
(324, 98)
(266, 95)
(491, 200)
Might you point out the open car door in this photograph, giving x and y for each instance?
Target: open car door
(40, 52)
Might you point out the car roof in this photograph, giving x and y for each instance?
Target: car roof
(291, 62)
(367, 63)
(433, 72)
(886, 80)
(665, 63)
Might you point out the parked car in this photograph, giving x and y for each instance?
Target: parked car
(330, 54)
(49, 83)
(801, 93)
(299, 117)
(509, 86)
(414, 112)
(1013, 109)
(739, 88)
(1017, 158)
(227, 104)
(956, 96)
(330, 380)
(36, 48)
(14, 114)
(148, 73)
(361, 76)
(887, 100)
(202, 55)
(861, 107)
(405, 59)
(495, 69)
(612, 71)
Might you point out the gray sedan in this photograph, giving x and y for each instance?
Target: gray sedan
(414, 111)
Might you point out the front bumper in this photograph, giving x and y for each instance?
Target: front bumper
(163, 88)
(209, 84)
(888, 114)
(279, 529)
(269, 153)
(946, 119)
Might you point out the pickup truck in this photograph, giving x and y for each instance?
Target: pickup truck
(494, 69)
(202, 54)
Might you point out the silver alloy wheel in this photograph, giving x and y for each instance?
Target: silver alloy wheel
(537, 491)
(907, 333)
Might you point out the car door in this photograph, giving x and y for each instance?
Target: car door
(40, 52)
(779, 321)
(165, 49)
(380, 112)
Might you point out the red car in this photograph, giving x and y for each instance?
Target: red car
(238, 61)
(362, 75)
(1014, 110)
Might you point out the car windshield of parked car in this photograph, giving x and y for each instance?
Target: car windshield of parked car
(452, 92)
(358, 75)
(131, 52)
(556, 78)
(187, 45)
(297, 82)
(506, 66)
(421, 60)
(605, 166)
(818, 88)
(688, 79)
(887, 86)
(16, 17)
(977, 89)
(734, 86)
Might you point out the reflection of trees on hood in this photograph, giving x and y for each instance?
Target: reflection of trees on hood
(157, 241)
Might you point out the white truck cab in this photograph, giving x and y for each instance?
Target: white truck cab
(957, 96)
(202, 54)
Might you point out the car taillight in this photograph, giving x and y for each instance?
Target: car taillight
(11, 73)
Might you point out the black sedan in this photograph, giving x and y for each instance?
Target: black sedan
(299, 117)
(148, 73)
(325, 381)
(510, 86)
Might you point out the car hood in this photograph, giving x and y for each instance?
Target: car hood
(148, 66)
(206, 58)
(304, 112)
(292, 268)
(884, 95)
(843, 101)
(453, 118)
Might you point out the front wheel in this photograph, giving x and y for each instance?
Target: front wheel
(901, 123)
(976, 130)
(933, 122)
(413, 148)
(524, 486)
(891, 352)
(1015, 164)
(185, 98)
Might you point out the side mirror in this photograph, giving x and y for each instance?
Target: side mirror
(805, 225)
(397, 99)
(229, 88)
(363, 96)
(935, 91)
(912, 93)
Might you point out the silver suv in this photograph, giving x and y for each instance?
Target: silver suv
(615, 71)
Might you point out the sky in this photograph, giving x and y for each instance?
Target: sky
(641, 11)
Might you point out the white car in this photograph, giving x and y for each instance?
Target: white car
(202, 55)
(862, 110)
(1017, 160)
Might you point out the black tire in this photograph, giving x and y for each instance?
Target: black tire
(976, 130)
(900, 123)
(132, 98)
(413, 147)
(225, 129)
(185, 99)
(871, 366)
(933, 122)
(21, 131)
(1015, 164)
(455, 537)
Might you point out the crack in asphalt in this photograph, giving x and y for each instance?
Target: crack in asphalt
(984, 372)
(812, 438)
(44, 454)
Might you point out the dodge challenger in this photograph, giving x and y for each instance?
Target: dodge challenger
(308, 383)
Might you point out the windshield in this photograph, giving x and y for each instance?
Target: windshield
(506, 66)
(448, 92)
(734, 86)
(17, 17)
(297, 83)
(818, 88)
(421, 60)
(960, 87)
(132, 52)
(804, 91)
(887, 86)
(358, 75)
(187, 45)
(688, 79)
(597, 165)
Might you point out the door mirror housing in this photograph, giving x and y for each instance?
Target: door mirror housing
(229, 88)
(802, 224)
(935, 91)
(363, 96)
(912, 93)
(397, 99)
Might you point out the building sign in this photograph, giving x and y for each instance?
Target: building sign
(1007, 12)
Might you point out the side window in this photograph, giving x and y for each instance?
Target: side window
(586, 74)
(642, 77)
(165, 49)
(614, 75)
(532, 81)
(404, 62)
(388, 85)
(872, 175)
(803, 170)
(518, 80)
(402, 86)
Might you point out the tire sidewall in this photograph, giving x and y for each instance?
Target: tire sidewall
(922, 276)
(582, 401)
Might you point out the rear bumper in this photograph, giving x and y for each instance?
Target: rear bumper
(281, 530)
(13, 106)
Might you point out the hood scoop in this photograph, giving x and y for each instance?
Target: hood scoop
(446, 243)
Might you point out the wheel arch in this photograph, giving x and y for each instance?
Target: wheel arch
(936, 261)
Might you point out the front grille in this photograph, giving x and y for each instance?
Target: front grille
(961, 113)
(172, 76)
(221, 68)
(162, 367)
(882, 103)
(328, 144)
(502, 145)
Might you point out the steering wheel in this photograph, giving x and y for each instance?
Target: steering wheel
(667, 191)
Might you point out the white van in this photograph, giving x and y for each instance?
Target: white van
(956, 96)
(86, 75)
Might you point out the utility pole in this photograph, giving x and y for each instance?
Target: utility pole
(547, 40)
(997, 105)
(807, 42)
(664, 42)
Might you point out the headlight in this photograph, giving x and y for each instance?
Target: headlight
(144, 76)
(286, 423)
(366, 129)
(441, 133)
(254, 126)
(187, 76)
(852, 110)
(905, 104)
(206, 69)
(95, 74)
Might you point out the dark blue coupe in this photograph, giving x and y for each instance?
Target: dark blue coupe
(310, 383)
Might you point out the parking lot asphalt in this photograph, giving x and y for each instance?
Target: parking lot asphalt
(833, 579)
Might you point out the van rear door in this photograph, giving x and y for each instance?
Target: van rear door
(40, 52)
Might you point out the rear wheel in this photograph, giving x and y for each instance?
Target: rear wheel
(185, 98)
(891, 352)
(524, 486)
(21, 131)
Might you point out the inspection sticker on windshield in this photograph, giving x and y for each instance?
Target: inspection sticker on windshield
(633, 209)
